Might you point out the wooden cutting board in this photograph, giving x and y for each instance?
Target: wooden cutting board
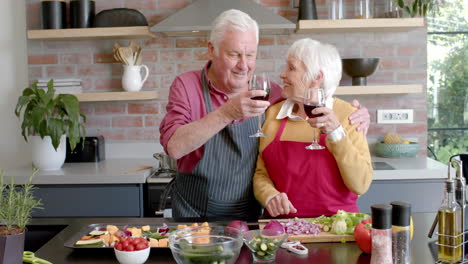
(320, 237)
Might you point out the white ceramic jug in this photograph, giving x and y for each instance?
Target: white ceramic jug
(131, 79)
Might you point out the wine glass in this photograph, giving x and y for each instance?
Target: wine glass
(313, 98)
(260, 82)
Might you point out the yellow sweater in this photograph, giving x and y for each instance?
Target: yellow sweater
(351, 152)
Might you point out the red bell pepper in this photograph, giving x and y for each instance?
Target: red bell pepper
(363, 235)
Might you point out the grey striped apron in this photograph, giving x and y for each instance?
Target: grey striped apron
(221, 183)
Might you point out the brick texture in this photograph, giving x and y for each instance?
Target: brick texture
(403, 61)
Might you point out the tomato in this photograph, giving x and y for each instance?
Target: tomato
(124, 243)
(140, 246)
(363, 235)
(130, 247)
(118, 246)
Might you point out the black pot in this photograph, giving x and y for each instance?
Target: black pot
(82, 13)
(53, 14)
(11, 248)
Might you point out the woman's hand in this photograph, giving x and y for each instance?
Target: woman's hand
(280, 205)
(327, 123)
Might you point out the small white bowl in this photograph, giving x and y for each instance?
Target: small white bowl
(132, 257)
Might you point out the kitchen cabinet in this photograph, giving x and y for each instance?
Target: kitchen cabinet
(117, 96)
(359, 25)
(103, 200)
(424, 195)
(91, 33)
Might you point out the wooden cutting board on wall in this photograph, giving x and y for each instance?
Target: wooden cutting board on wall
(319, 238)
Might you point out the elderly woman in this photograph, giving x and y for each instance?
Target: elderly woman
(292, 181)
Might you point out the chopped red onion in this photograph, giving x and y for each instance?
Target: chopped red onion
(300, 226)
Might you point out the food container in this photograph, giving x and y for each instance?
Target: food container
(264, 243)
(132, 257)
(396, 150)
(82, 13)
(206, 245)
(53, 14)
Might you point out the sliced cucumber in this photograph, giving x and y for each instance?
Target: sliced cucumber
(90, 242)
(97, 233)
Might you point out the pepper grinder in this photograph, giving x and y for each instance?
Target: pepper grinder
(401, 218)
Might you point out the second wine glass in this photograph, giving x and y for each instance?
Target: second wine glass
(260, 82)
(314, 98)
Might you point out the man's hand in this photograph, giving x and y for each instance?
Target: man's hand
(242, 106)
(280, 205)
(360, 116)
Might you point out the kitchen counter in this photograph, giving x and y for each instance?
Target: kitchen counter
(135, 171)
(112, 171)
(334, 253)
(410, 169)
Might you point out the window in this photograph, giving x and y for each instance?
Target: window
(447, 82)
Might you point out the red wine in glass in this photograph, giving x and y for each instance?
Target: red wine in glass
(308, 110)
(263, 98)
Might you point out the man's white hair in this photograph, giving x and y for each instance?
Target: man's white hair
(317, 57)
(231, 19)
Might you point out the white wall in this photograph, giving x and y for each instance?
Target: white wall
(13, 78)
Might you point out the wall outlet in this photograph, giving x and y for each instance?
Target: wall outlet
(395, 116)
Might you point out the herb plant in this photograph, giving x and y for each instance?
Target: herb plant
(418, 7)
(16, 204)
(51, 115)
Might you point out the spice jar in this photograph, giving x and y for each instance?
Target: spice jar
(335, 9)
(401, 217)
(381, 234)
(364, 8)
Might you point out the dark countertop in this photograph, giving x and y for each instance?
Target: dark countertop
(334, 253)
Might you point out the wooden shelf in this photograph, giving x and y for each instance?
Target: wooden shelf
(379, 89)
(91, 33)
(359, 25)
(117, 96)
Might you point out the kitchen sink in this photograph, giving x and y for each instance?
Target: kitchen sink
(380, 165)
(39, 235)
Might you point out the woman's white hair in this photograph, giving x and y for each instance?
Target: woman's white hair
(234, 19)
(317, 57)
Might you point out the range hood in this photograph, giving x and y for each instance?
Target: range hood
(196, 19)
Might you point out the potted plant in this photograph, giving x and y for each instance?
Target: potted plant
(16, 204)
(48, 119)
(418, 7)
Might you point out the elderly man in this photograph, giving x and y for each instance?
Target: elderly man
(208, 123)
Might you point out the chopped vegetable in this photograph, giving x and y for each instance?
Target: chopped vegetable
(336, 222)
(300, 226)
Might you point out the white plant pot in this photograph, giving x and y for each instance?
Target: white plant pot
(44, 156)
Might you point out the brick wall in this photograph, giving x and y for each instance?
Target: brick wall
(403, 61)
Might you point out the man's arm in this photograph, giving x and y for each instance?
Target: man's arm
(361, 116)
(191, 136)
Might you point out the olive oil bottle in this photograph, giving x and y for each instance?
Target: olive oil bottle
(450, 227)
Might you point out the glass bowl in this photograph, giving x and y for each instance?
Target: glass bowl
(263, 244)
(206, 245)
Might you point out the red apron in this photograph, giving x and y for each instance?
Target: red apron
(310, 178)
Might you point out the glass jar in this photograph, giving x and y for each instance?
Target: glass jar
(335, 9)
(392, 10)
(364, 8)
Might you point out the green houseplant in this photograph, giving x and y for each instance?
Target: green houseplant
(418, 7)
(51, 117)
(16, 204)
